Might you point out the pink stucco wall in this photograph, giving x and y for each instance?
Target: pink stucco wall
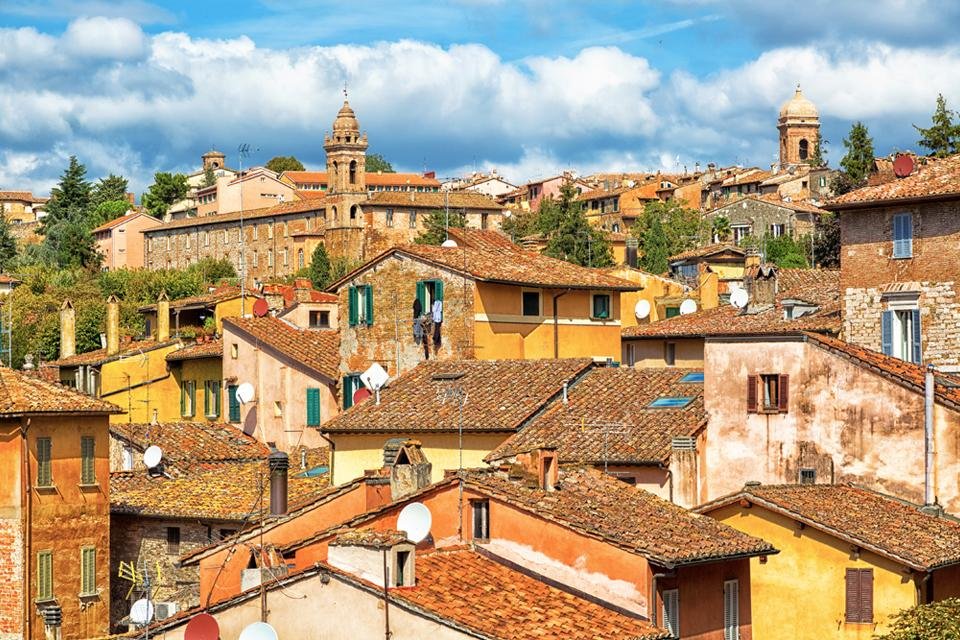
(122, 245)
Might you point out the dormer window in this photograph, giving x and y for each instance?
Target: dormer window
(403, 568)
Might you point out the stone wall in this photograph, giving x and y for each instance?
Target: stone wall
(11, 577)
(761, 215)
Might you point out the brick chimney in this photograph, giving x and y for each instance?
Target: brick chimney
(113, 325)
(68, 330)
(409, 469)
(279, 464)
(760, 281)
(163, 317)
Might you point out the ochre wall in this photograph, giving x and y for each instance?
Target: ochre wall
(199, 370)
(121, 382)
(653, 287)
(651, 352)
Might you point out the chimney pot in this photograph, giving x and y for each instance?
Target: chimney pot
(68, 333)
(279, 464)
(113, 325)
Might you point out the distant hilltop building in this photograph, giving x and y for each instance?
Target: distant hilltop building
(799, 126)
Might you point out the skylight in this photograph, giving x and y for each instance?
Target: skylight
(670, 402)
(694, 376)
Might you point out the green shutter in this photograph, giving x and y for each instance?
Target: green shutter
(368, 300)
(438, 290)
(234, 403)
(422, 294)
(44, 575)
(354, 310)
(206, 397)
(313, 407)
(183, 398)
(347, 392)
(88, 570)
(44, 472)
(216, 399)
(87, 471)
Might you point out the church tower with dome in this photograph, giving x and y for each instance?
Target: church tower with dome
(799, 126)
(346, 167)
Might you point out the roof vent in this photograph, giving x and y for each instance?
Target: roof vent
(684, 443)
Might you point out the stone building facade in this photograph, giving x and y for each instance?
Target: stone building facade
(758, 216)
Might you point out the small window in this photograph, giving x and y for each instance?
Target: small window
(671, 312)
(859, 596)
(234, 351)
(481, 519)
(671, 402)
(87, 471)
(300, 258)
(740, 232)
(88, 571)
(277, 409)
(389, 217)
(361, 305)
(403, 577)
(601, 306)
(270, 231)
(731, 610)
(630, 354)
(319, 319)
(777, 230)
(808, 476)
(771, 391)
(211, 398)
(670, 353)
(173, 540)
(903, 235)
(350, 385)
(44, 470)
(234, 403)
(188, 389)
(671, 611)
(768, 393)
(531, 303)
(45, 575)
(226, 533)
(413, 219)
(270, 258)
(693, 377)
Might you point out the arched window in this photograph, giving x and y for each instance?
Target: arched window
(334, 209)
(353, 212)
(804, 149)
(353, 172)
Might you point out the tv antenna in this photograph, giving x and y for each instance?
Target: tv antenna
(605, 429)
(458, 394)
(243, 151)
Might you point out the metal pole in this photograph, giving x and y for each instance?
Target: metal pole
(263, 590)
(386, 600)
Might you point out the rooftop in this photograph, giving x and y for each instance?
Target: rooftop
(371, 178)
(608, 418)
(197, 350)
(434, 199)
(23, 394)
(20, 196)
(932, 179)
(502, 396)
(116, 222)
(708, 251)
(369, 538)
(186, 443)
(99, 356)
(213, 295)
(316, 349)
(885, 525)
(277, 210)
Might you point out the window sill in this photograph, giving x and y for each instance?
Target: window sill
(49, 488)
(89, 486)
(88, 596)
(892, 258)
(44, 602)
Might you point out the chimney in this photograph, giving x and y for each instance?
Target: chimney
(761, 284)
(683, 471)
(279, 463)
(631, 257)
(68, 330)
(409, 469)
(708, 283)
(752, 259)
(113, 325)
(163, 317)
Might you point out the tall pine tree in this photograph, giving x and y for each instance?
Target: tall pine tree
(942, 138)
(859, 159)
(110, 189)
(70, 199)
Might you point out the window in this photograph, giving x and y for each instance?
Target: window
(428, 291)
(671, 312)
(350, 385)
(286, 256)
(771, 391)
(740, 231)
(670, 353)
(768, 393)
(234, 403)
(270, 230)
(87, 472)
(45, 575)
(206, 238)
(256, 259)
(313, 407)
(255, 232)
(671, 611)
(483, 220)
(277, 409)
(402, 576)
(127, 458)
(531, 303)
(226, 533)
(900, 334)
(630, 354)
(88, 571)
(234, 350)
(601, 306)
(823, 181)
(319, 319)
(903, 235)
(44, 471)
(173, 540)
(361, 305)
(270, 258)
(671, 402)
(481, 519)
(413, 219)
(353, 212)
(186, 241)
(353, 175)
(300, 258)
(693, 377)
(389, 217)
(187, 390)
(226, 236)
(731, 610)
(777, 230)
(859, 587)
(804, 149)
(808, 476)
(211, 398)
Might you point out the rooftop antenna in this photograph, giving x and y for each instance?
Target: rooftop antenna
(605, 429)
(688, 306)
(243, 151)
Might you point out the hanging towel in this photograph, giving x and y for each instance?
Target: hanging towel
(417, 308)
(437, 311)
(417, 330)
(436, 335)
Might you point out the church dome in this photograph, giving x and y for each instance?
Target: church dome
(798, 107)
(346, 120)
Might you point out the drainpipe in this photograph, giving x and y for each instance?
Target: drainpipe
(653, 594)
(27, 493)
(556, 327)
(928, 497)
(331, 456)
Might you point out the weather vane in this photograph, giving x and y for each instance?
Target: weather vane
(344, 89)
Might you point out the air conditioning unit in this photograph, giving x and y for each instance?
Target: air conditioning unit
(164, 610)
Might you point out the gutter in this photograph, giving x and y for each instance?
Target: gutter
(893, 202)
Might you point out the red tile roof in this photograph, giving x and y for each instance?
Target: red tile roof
(598, 505)
(116, 222)
(369, 538)
(707, 251)
(22, 394)
(186, 443)
(932, 179)
(371, 178)
(885, 525)
(99, 356)
(208, 349)
(316, 349)
(277, 210)
(20, 196)
(607, 418)
(434, 200)
(212, 296)
(501, 395)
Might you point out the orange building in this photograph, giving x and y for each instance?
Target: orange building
(120, 241)
(54, 510)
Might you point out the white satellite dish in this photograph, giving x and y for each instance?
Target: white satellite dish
(259, 631)
(739, 298)
(375, 377)
(687, 307)
(152, 456)
(449, 243)
(141, 612)
(642, 309)
(415, 521)
(245, 393)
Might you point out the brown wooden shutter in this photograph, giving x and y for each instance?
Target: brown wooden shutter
(866, 595)
(751, 394)
(853, 595)
(783, 399)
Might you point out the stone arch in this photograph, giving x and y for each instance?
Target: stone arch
(353, 172)
(804, 149)
(353, 212)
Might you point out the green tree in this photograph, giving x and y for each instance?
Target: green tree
(520, 224)
(665, 229)
(435, 225)
(279, 164)
(826, 242)
(655, 241)
(721, 229)
(841, 183)
(569, 235)
(376, 162)
(107, 211)
(942, 138)
(69, 244)
(859, 159)
(319, 269)
(818, 157)
(8, 245)
(785, 252)
(70, 199)
(209, 177)
(110, 189)
(167, 188)
(213, 270)
(936, 621)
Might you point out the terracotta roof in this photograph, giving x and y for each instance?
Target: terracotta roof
(798, 205)
(502, 263)
(501, 396)
(277, 210)
(24, 196)
(932, 179)
(369, 538)
(212, 296)
(22, 394)
(5, 279)
(707, 251)
(475, 591)
(747, 176)
(598, 194)
(885, 525)
(99, 356)
(371, 178)
(186, 443)
(598, 505)
(433, 200)
(607, 418)
(127, 217)
(316, 349)
(304, 287)
(820, 287)
(208, 349)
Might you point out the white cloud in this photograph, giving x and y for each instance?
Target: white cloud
(105, 38)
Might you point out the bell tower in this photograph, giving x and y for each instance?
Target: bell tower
(346, 154)
(799, 126)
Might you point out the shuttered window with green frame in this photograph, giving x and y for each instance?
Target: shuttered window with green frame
(88, 571)
(45, 575)
(44, 470)
(87, 472)
(360, 303)
(211, 398)
(313, 407)
(234, 403)
(350, 385)
(428, 291)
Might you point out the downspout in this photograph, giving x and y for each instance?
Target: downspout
(653, 594)
(556, 327)
(26, 492)
(928, 497)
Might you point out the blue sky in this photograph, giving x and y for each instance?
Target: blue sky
(527, 86)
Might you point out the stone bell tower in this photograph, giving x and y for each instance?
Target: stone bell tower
(346, 162)
(799, 126)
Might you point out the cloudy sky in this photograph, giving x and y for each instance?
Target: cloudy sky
(526, 86)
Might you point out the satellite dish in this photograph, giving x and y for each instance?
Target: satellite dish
(361, 394)
(374, 377)
(902, 166)
(415, 521)
(449, 243)
(739, 298)
(642, 309)
(687, 307)
(261, 308)
(245, 393)
(202, 626)
(141, 612)
(259, 631)
(152, 456)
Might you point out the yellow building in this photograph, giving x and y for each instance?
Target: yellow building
(652, 288)
(443, 403)
(197, 371)
(218, 302)
(849, 558)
